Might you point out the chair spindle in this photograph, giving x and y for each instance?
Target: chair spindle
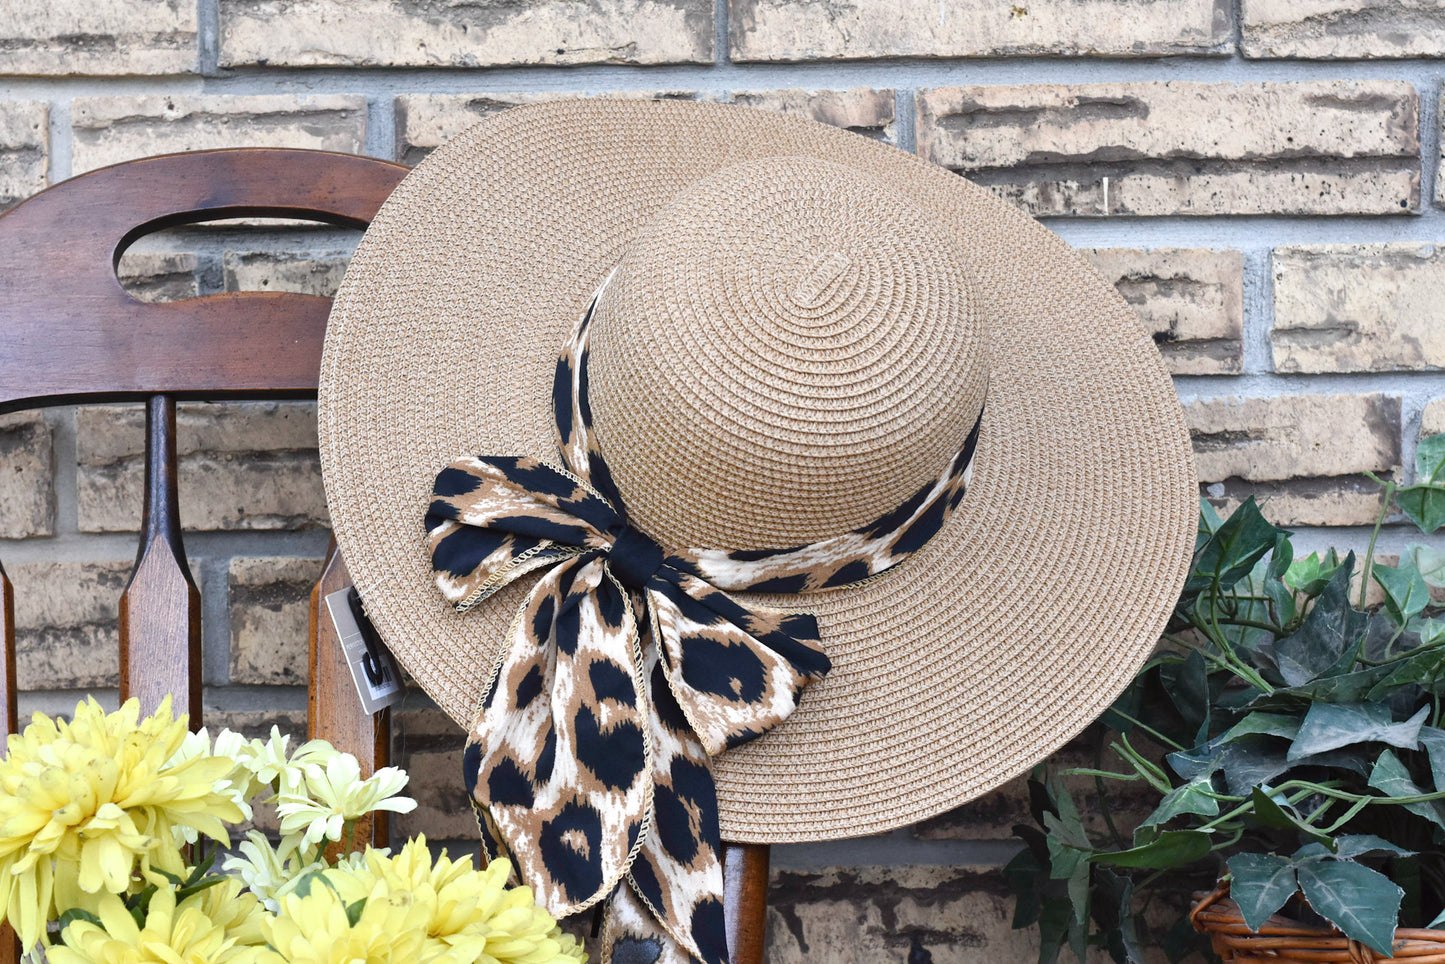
(160, 608)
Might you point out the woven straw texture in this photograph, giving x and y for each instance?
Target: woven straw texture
(987, 649)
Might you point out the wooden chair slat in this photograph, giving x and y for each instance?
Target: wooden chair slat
(745, 901)
(333, 710)
(160, 608)
(9, 943)
(88, 338)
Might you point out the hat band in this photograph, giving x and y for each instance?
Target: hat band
(627, 667)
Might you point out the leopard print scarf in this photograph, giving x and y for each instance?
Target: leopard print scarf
(627, 668)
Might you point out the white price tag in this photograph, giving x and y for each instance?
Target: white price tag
(373, 668)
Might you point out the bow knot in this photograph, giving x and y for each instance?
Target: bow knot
(634, 558)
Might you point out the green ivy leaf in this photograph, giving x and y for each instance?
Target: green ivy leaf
(1172, 848)
(1324, 645)
(1274, 813)
(1232, 550)
(1424, 502)
(1352, 845)
(1392, 779)
(1312, 573)
(1192, 797)
(1260, 884)
(1433, 740)
(1406, 594)
(1362, 903)
(1431, 563)
(1269, 724)
(353, 911)
(1329, 726)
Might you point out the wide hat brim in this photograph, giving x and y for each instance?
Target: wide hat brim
(986, 650)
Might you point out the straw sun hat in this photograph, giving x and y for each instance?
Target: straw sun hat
(758, 333)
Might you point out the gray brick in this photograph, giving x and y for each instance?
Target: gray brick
(416, 33)
(1303, 456)
(310, 272)
(426, 121)
(98, 37)
(1358, 308)
(1190, 299)
(863, 110)
(1315, 147)
(65, 623)
(155, 276)
(270, 606)
(107, 130)
(1341, 29)
(24, 148)
(862, 29)
(27, 471)
(243, 465)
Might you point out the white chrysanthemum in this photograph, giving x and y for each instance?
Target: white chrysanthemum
(237, 784)
(335, 794)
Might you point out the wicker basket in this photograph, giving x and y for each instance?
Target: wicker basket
(1280, 939)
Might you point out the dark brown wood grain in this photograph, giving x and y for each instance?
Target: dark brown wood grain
(160, 608)
(71, 332)
(9, 943)
(745, 901)
(333, 710)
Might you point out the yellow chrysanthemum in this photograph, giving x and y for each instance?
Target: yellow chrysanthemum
(185, 933)
(384, 925)
(463, 905)
(82, 802)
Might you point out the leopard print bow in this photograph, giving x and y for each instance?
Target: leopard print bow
(625, 669)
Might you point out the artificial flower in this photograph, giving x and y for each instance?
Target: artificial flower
(85, 801)
(386, 924)
(272, 872)
(170, 933)
(463, 906)
(334, 795)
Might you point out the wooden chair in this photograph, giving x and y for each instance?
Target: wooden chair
(70, 333)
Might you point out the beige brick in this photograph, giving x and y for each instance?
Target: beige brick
(107, 130)
(27, 468)
(24, 148)
(160, 275)
(863, 110)
(851, 915)
(98, 37)
(859, 29)
(1344, 501)
(1432, 421)
(1342, 29)
(426, 121)
(311, 273)
(1303, 455)
(1294, 436)
(429, 746)
(1315, 147)
(417, 33)
(270, 606)
(243, 465)
(1190, 299)
(1358, 308)
(65, 623)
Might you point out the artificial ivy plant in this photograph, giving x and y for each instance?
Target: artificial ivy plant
(1290, 739)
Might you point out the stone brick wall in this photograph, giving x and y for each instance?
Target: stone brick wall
(1260, 178)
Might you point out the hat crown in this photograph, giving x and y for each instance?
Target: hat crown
(788, 351)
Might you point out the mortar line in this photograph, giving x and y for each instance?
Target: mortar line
(721, 34)
(208, 37)
(884, 72)
(905, 117)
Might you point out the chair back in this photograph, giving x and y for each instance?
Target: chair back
(72, 333)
